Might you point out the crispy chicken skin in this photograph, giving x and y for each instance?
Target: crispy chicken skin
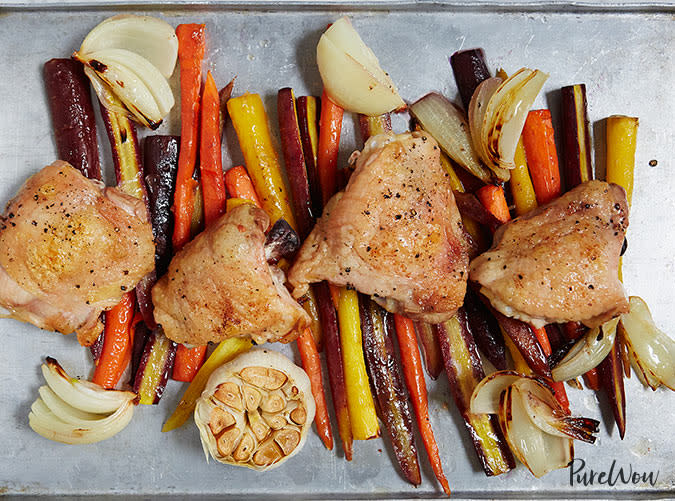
(560, 262)
(220, 286)
(394, 233)
(69, 249)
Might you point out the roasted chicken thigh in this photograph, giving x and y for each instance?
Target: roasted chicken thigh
(69, 249)
(560, 262)
(394, 233)
(220, 285)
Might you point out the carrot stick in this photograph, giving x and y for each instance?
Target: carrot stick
(117, 343)
(312, 365)
(239, 184)
(191, 47)
(592, 379)
(330, 127)
(360, 402)
(210, 156)
(187, 363)
(542, 337)
(542, 158)
(493, 199)
(190, 54)
(249, 119)
(414, 379)
(189, 360)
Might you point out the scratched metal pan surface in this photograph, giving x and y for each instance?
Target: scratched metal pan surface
(623, 51)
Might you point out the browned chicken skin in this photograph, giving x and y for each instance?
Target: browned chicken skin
(220, 286)
(560, 262)
(394, 233)
(69, 249)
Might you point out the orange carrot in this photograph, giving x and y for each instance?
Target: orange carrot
(312, 365)
(493, 199)
(191, 47)
(417, 386)
(542, 157)
(117, 342)
(190, 54)
(210, 156)
(542, 337)
(239, 184)
(592, 379)
(330, 127)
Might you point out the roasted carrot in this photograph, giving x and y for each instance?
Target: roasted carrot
(249, 119)
(334, 362)
(621, 144)
(239, 184)
(210, 156)
(117, 342)
(191, 46)
(493, 199)
(330, 127)
(311, 362)
(542, 157)
(189, 360)
(522, 189)
(187, 363)
(542, 337)
(417, 386)
(359, 397)
(592, 379)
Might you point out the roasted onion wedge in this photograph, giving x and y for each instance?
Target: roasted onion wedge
(651, 351)
(351, 73)
(149, 37)
(588, 352)
(255, 411)
(539, 451)
(499, 114)
(546, 413)
(78, 412)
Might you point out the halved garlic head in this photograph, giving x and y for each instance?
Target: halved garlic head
(255, 411)
(351, 73)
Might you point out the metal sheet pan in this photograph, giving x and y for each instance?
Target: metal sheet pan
(623, 51)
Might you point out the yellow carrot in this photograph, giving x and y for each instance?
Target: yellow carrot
(224, 352)
(522, 189)
(621, 143)
(233, 203)
(249, 119)
(359, 397)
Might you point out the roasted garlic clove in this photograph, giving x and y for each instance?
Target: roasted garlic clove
(255, 411)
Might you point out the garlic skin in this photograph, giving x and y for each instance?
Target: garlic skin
(255, 411)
